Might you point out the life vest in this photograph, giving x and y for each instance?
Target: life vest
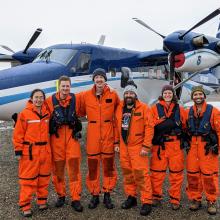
(173, 123)
(200, 126)
(62, 115)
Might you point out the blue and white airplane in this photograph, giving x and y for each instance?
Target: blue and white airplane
(78, 61)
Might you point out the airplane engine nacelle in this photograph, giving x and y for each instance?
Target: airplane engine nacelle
(198, 60)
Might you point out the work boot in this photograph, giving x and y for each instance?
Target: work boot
(94, 202)
(107, 201)
(43, 207)
(27, 213)
(156, 202)
(77, 205)
(195, 205)
(60, 202)
(175, 206)
(211, 209)
(129, 202)
(146, 209)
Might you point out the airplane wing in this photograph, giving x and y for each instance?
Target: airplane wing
(154, 58)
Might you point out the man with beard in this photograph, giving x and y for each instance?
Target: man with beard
(202, 160)
(99, 104)
(134, 129)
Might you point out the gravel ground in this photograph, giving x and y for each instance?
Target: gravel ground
(9, 195)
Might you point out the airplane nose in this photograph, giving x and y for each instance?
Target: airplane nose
(179, 60)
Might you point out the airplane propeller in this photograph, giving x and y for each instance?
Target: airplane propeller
(12, 58)
(33, 39)
(203, 21)
(148, 27)
(198, 41)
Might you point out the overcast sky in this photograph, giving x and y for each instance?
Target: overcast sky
(78, 21)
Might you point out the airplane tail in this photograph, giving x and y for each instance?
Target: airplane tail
(101, 40)
(218, 32)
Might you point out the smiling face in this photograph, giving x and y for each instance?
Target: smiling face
(64, 88)
(38, 99)
(129, 98)
(99, 81)
(167, 95)
(198, 97)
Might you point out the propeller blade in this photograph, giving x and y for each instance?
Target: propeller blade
(7, 48)
(6, 58)
(204, 20)
(171, 64)
(148, 27)
(33, 38)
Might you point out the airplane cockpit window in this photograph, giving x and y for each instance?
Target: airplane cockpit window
(83, 62)
(62, 56)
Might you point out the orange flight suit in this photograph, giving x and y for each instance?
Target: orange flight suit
(202, 170)
(100, 138)
(135, 168)
(172, 156)
(66, 154)
(31, 141)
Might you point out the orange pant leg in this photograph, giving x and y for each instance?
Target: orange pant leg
(58, 177)
(93, 175)
(58, 148)
(194, 184)
(158, 172)
(109, 172)
(176, 167)
(209, 173)
(75, 179)
(28, 179)
(44, 176)
(140, 168)
(73, 161)
(128, 176)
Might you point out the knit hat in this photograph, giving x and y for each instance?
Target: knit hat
(196, 89)
(100, 72)
(130, 88)
(167, 87)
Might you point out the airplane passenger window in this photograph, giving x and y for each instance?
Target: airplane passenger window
(83, 63)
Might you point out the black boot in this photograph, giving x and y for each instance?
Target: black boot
(60, 201)
(94, 202)
(77, 205)
(129, 202)
(146, 209)
(107, 201)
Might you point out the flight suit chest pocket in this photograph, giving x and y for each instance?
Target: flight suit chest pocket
(137, 116)
(108, 101)
(138, 121)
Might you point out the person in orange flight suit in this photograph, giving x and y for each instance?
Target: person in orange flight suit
(203, 122)
(99, 105)
(169, 119)
(32, 149)
(134, 129)
(65, 146)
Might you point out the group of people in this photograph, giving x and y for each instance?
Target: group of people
(148, 140)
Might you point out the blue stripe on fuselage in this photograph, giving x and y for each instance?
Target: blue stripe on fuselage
(25, 95)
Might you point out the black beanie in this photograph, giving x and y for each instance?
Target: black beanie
(99, 71)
